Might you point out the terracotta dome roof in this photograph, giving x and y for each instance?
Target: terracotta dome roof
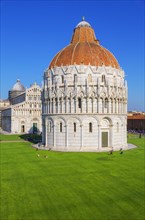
(84, 49)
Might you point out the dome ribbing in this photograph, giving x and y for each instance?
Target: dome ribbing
(84, 49)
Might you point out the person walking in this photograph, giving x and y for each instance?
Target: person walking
(121, 150)
(111, 151)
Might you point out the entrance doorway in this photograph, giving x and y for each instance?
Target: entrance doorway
(35, 128)
(22, 128)
(104, 139)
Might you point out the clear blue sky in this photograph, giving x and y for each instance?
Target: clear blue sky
(32, 32)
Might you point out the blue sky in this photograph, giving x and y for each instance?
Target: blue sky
(32, 32)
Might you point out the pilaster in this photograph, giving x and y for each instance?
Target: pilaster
(43, 132)
(92, 104)
(54, 105)
(87, 100)
(66, 136)
(111, 133)
(62, 105)
(99, 137)
(54, 136)
(81, 126)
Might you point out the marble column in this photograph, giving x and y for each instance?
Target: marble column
(81, 104)
(99, 104)
(51, 106)
(66, 105)
(116, 109)
(112, 105)
(109, 106)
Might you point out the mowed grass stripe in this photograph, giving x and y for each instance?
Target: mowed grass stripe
(71, 185)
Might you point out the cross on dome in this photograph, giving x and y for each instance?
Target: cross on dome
(83, 23)
(83, 18)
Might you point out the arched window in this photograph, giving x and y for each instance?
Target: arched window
(60, 127)
(74, 127)
(106, 103)
(90, 127)
(103, 78)
(56, 104)
(79, 103)
(62, 79)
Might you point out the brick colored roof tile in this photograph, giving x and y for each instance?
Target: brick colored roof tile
(84, 49)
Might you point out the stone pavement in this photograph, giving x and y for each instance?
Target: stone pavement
(42, 147)
(130, 146)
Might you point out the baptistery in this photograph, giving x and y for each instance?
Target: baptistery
(84, 98)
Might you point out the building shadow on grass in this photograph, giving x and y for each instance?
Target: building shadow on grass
(33, 138)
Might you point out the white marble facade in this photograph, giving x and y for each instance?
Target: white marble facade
(84, 108)
(24, 114)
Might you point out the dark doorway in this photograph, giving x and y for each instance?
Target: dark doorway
(35, 128)
(104, 139)
(22, 128)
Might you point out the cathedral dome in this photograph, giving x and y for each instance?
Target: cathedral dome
(18, 86)
(85, 49)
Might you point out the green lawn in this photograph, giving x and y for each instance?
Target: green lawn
(35, 138)
(13, 137)
(71, 186)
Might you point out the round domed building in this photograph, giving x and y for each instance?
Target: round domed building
(84, 97)
(17, 89)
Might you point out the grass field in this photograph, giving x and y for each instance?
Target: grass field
(71, 186)
(34, 138)
(13, 137)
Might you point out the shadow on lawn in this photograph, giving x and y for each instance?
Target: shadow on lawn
(33, 138)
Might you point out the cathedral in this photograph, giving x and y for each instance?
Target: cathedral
(84, 98)
(23, 114)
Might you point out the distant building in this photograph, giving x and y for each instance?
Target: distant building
(3, 104)
(84, 97)
(23, 115)
(136, 121)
